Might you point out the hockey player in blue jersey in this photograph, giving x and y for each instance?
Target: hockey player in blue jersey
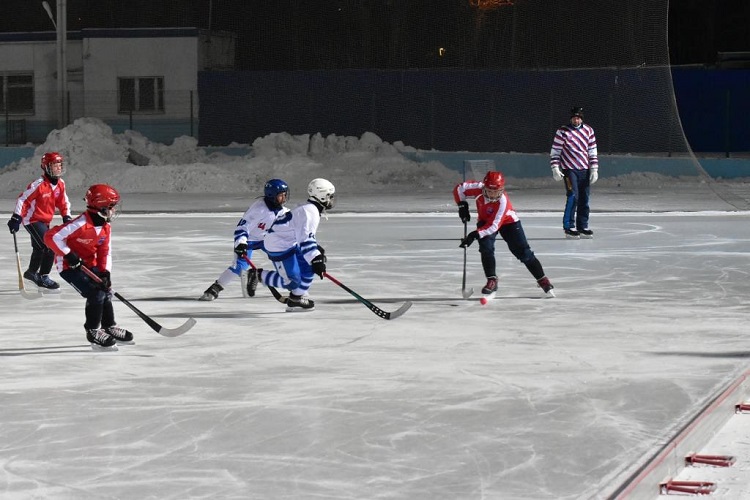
(248, 236)
(293, 248)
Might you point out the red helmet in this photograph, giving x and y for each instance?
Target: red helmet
(49, 160)
(494, 184)
(102, 199)
(494, 180)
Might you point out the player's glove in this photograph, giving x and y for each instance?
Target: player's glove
(557, 173)
(67, 218)
(319, 265)
(106, 278)
(241, 250)
(593, 175)
(463, 212)
(466, 242)
(14, 224)
(321, 250)
(73, 260)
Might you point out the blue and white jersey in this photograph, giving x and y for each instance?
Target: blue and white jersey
(293, 229)
(256, 221)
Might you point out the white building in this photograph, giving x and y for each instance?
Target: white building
(143, 79)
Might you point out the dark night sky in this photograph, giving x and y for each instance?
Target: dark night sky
(277, 34)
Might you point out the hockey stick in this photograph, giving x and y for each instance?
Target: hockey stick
(372, 307)
(21, 286)
(466, 293)
(165, 332)
(274, 292)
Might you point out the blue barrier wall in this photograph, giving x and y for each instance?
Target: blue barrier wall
(714, 107)
(462, 110)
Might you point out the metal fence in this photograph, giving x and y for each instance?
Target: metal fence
(171, 114)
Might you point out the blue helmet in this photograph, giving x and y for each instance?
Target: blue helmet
(272, 189)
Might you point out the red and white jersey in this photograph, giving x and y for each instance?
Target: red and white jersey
(491, 214)
(91, 243)
(40, 199)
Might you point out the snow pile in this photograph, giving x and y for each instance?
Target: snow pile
(133, 164)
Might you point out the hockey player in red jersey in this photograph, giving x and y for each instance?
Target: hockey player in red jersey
(495, 215)
(85, 241)
(34, 209)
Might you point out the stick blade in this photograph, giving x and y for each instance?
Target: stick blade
(467, 293)
(400, 311)
(30, 295)
(176, 332)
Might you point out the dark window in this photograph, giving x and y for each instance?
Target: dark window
(141, 95)
(17, 94)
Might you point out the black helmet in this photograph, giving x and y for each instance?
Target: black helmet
(577, 111)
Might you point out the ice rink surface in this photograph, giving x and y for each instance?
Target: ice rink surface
(525, 398)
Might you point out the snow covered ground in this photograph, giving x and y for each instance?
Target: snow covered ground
(525, 398)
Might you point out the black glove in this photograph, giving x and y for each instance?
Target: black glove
(466, 242)
(67, 218)
(106, 278)
(321, 250)
(14, 224)
(73, 260)
(241, 250)
(463, 211)
(319, 265)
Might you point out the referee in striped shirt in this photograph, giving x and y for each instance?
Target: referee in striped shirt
(574, 158)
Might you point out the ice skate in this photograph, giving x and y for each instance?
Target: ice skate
(491, 286)
(101, 340)
(252, 281)
(586, 234)
(572, 234)
(212, 292)
(299, 303)
(31, 276)
(546, 286)
(44, 281)
(121, 335)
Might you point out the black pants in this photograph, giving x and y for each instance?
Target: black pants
(99, 310)
(41, 257)
(515, 238)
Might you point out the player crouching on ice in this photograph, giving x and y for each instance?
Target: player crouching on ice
(86, 241)
(293, 249)
(248, 236)
(496, 215)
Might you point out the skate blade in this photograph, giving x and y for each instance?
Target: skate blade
(549, 295)
(299, 309)
(50, 291)
(125, 342)
(587, 237)
(101, 348)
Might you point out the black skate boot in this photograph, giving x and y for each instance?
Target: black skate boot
(491, 286)
(44, 281)
(101, 340)
(31, 276)
(212, 292)
(252, 281)
(572, 234)
(121, 335)
(296, 303)
(545, 285)
(586, 233)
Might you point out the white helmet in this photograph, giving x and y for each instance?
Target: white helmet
(322, 191)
